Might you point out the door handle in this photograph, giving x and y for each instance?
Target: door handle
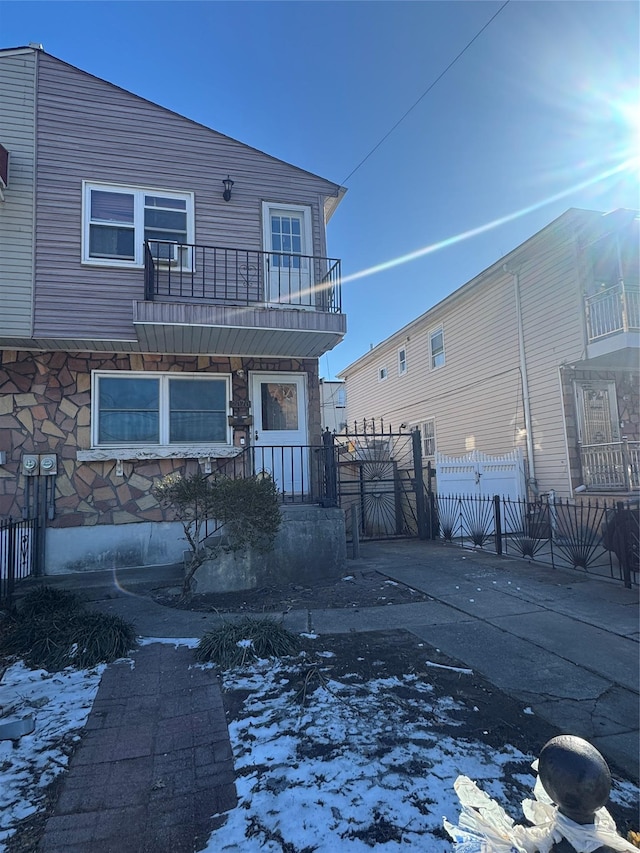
(256, 435)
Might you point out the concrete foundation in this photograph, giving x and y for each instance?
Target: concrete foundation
(113, 546)
(310, 544)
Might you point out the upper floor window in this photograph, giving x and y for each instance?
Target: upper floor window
(436, 348)
(160, 409)
(117, 221)
(402, 361)
(382, 373)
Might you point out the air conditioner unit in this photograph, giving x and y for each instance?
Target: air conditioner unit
(168, 252)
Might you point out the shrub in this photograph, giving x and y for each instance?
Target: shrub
(236, 643)
(51, 630)
(246, 512)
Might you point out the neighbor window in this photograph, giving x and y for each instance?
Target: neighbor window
(137, 408)
(402, 361)
(382, 373)
(436, 347)
(428, 432)
(118, 220)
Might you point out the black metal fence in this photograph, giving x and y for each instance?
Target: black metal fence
(302, 473)
(241, 276)
(597, 537)
(18, 545)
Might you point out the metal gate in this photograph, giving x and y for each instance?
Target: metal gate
(377, 483)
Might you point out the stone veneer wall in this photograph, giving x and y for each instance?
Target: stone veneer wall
(45, 407)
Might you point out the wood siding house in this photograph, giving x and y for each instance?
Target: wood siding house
(153, 318)
(539, 352)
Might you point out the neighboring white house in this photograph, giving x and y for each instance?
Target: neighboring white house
(540, 352)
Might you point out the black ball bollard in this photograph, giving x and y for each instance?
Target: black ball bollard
(578, 780)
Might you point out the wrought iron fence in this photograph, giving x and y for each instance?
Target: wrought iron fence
(597, 537)
(18, 543)
(231, 276)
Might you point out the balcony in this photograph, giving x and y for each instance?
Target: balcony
(239, 302)
(611, 467)
(613, 323)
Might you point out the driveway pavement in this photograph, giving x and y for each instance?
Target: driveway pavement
(563, 643)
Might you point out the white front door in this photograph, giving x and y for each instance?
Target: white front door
(279, 406)
(287, 238)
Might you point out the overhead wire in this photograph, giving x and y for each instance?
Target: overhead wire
(425, 93)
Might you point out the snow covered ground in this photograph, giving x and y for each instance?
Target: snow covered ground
(322, 765)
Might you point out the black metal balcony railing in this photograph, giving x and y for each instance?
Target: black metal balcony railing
(219, 275)
(614, 310)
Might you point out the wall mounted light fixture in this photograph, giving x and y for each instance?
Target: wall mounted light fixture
(228, 183)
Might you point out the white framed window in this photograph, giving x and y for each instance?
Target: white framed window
(436, 348)
(117, 220)
(161, 409)
(428, 434)
(382, 374)
(402, 361)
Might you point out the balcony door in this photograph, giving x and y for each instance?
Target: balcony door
(288, 242)
(279, 406)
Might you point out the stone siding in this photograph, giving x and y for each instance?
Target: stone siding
(45, 407)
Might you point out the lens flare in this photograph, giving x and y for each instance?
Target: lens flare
(629, 165)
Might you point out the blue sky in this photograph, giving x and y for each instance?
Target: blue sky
(539, 105)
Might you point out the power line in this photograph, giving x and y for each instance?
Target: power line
(426, 92)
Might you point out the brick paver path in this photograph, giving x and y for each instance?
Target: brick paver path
(155, 765)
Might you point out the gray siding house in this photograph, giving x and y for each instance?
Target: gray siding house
(165, 295)
(539, 354)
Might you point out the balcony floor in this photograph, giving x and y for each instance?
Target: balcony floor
(254, 330)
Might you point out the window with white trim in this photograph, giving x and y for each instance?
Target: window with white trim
(163, 409)
(428, 433)
(436, 348)
(117, 221)
(382, 374)
(402, 361)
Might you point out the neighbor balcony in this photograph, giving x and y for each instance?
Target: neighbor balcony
(611, 467)
(239, 302)
(613, 322)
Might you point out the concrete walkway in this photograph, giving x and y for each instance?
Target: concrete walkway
(561, 642)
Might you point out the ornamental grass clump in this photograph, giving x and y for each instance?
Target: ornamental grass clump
(52, 630)
(234, 644)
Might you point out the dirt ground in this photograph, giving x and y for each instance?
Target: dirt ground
(355, 589)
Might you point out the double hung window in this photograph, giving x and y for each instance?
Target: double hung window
(118, 220)
(402, 361)
(159, 409)
(428, 432)
(436, 348)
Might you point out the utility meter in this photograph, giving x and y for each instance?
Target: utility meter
(30, 464)
(48, 463)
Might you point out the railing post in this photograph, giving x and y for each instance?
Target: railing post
(355, 532)
(623, 548)
(330, 497)
(421, 514)
(497, 521)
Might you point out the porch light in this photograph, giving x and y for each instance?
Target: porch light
(228, 183)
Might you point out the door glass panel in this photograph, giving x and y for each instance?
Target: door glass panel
(279, 405)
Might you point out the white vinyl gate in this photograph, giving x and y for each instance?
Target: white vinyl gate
(479, 475)
(467, 484)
